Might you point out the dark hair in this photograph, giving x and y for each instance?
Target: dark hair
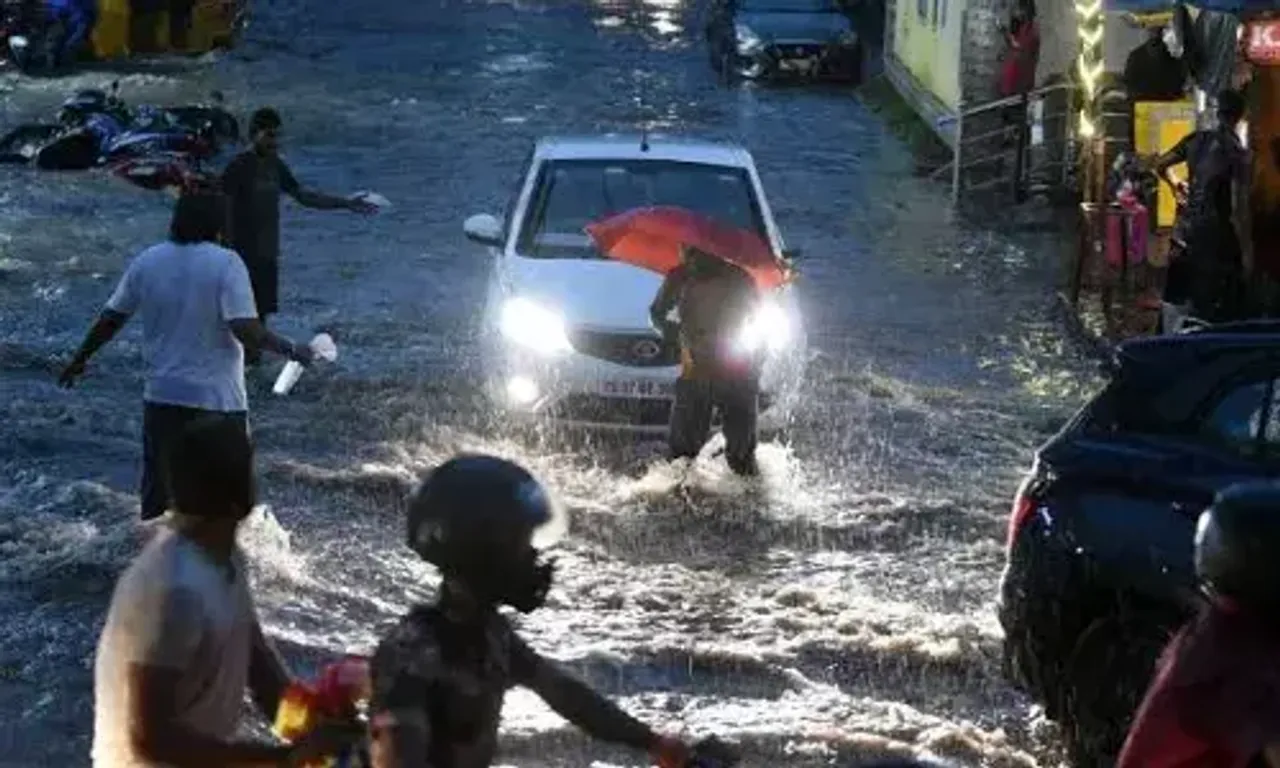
(264, 119)
(200, 216)
(210, 467)
(1230, 107)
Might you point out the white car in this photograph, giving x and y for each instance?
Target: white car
(566, 331)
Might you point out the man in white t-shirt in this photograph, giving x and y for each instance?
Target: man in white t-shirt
(198, 316)
(182, 642)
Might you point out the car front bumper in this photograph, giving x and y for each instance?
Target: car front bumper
(581, 390)
(800, 59)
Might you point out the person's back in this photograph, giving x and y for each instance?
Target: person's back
(714, 304)
(208, 623)
(193, 358)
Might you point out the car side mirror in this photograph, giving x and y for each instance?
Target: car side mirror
(483, 228)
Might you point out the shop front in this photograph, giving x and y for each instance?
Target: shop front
(1126, 216)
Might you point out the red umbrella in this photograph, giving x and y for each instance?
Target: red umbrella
(652, 237)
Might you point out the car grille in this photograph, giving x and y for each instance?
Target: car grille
(797, 50)
(639, 350)
(612, 410)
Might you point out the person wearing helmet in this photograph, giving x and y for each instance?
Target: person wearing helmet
(439, 677)
(1215, 697)
(713, 300)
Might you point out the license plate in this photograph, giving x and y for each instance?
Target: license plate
(654, 389)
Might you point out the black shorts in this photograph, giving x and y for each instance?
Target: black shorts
(160, 425)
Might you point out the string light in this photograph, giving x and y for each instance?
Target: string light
(1089, 64)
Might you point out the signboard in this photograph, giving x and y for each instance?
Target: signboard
(1262, 42)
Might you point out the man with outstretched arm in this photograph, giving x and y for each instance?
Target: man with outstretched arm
(253, 182)
(198, 317)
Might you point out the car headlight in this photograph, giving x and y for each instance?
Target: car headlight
(534, 326)
(748, 41)
(768, 327)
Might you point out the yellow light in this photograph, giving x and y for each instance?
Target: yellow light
(1089, 64)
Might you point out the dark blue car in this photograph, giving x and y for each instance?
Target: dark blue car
(767, 39)
(1099, 569)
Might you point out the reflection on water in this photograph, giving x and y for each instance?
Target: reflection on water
(664, 17)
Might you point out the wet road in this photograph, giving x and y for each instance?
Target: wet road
(843, 609)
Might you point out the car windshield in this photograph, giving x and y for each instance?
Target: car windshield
(574, 193)
(787, 6)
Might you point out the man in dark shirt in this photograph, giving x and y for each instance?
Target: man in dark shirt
(1211, 237)
(253, 182)
(714, 301)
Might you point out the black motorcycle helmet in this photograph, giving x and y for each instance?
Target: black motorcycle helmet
(482, 520)
(1237, 546)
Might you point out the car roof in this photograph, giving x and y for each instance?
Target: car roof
(1154, 354)
(616, 146)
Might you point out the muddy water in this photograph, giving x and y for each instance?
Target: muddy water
(842, 608)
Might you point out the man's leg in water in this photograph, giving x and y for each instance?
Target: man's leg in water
(739, 404)
(690, 418)
(78, 24)
(160, 424)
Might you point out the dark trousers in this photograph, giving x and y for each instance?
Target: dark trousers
(695, 403)
(160, 425)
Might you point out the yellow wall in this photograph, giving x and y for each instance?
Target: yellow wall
(1157, 127)
(210, 25)
(927, 39)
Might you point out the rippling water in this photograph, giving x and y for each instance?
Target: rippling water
(843, 609)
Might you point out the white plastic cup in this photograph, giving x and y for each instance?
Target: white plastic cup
(322, 347)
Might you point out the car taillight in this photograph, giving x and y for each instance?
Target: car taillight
(1023, 505)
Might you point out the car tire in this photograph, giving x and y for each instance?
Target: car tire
(1103, 683)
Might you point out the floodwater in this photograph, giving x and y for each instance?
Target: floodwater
(842, 609)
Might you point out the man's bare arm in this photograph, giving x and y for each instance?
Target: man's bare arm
(254, 335)
(268, 675)
(157, 737)
(104, 328)
(322, 201)
(588, 710)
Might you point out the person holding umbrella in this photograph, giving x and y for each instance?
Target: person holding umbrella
(713, 301)
(715, 277)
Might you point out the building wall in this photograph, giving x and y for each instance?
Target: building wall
(984, 44)
(927, 39)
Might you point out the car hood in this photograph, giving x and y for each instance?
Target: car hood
(588, 293)
(809, 27)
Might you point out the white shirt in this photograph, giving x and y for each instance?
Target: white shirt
(187, 295)
(174, 607)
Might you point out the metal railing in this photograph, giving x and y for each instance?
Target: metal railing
(985, 157)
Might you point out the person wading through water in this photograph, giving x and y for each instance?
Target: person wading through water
(440, 675)
(1211, 239)
(198, 318)
(713, 300)
(253, 182)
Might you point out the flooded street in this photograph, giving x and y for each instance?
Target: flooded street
(843, 609)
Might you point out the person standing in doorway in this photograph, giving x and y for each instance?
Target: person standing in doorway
(198, 317)
(182, 642)
(253, 182)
